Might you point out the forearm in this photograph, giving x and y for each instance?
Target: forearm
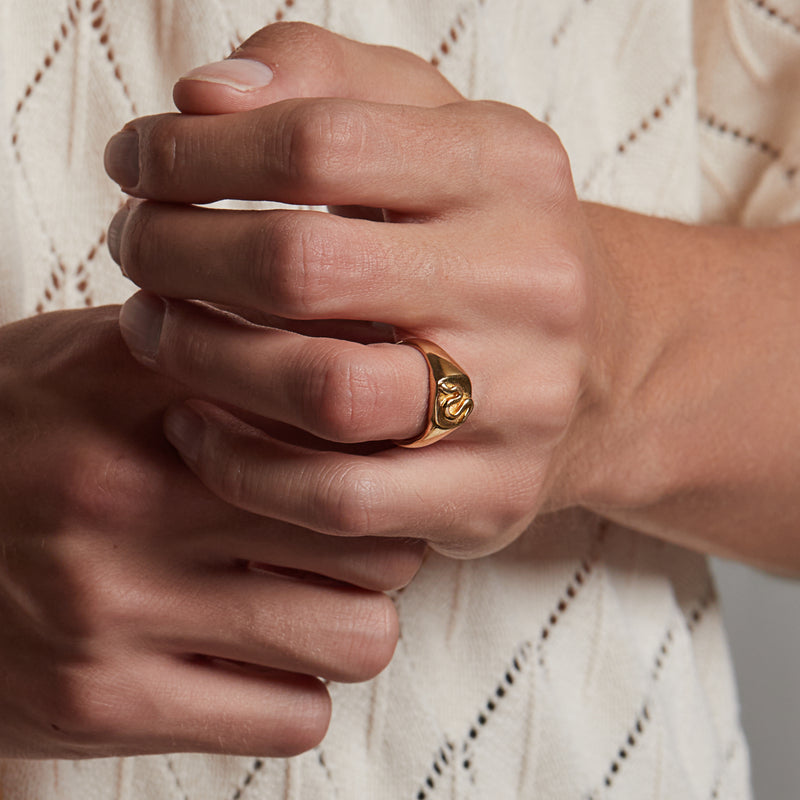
(690, 429)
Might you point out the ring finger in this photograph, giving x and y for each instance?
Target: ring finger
(337, 390)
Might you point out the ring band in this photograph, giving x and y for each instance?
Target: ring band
(450, 396)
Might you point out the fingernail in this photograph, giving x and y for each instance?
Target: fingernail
(140, 321)
(116, 229)
(184, 430)
(122, 158)
(114, 235)
(242, 74)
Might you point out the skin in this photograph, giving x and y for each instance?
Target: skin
(632, 365)
(646, 372)
(140, 613)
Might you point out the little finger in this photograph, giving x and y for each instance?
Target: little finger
(460, 500)
(178, 704)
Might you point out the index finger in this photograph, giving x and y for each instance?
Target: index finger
(315, 152)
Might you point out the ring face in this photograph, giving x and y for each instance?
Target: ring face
(453, 401)
(450, 401)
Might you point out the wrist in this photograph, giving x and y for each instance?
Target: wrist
(686, 428)
(617, 452)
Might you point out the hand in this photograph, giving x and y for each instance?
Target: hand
(490, 256)
(139, 613)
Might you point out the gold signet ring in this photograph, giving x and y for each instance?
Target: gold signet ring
(450, 397)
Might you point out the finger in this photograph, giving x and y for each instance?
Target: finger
(367, 562)
(223, 535)
(441, 494)
(339, 391)
(331, 630)
(296, 59)
(294, 264)
(314, 152)
(243, 711)
(180, 704)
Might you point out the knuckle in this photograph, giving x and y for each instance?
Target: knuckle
(275, 277)
(312, 45)
(524, 150)
(352, 501)
(499, 117)
(566, 290)
(541, 144)
(320, 139)
(289, 264)
(550, 149)
(552, 166)
(347, 399)
(84, 710)
(494, 523)
(93, 596)
(108, 489)
(504, 128)
(493, 139)
(429, 84)
(69, 612)
(482, 538)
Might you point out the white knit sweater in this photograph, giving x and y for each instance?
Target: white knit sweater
(584, 661)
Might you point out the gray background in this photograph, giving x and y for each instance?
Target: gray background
(762, 615)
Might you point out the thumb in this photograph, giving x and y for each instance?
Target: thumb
(295, 59)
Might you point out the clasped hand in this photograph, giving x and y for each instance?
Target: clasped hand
(458, 223)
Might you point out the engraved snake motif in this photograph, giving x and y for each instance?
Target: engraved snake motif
(454, 402)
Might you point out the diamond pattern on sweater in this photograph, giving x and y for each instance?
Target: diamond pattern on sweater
(78, 85)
